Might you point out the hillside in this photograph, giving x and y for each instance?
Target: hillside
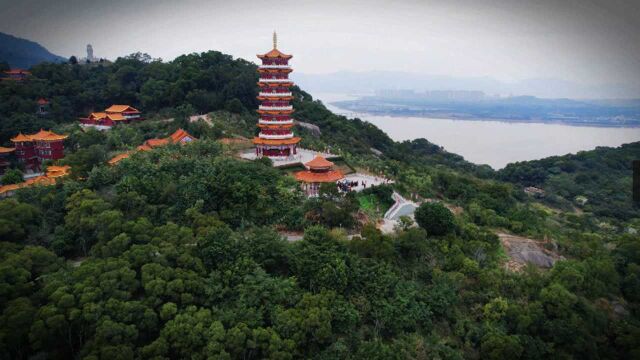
(22, 53)
(175, 252)
(597, 181)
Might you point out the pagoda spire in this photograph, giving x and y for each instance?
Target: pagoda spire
(275, 40)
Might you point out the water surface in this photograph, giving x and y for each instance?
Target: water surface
(495, 143)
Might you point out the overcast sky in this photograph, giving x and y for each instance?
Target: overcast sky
(588, 41)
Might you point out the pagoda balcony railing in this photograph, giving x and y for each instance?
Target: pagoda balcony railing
(274, 94)
(275, 80)
(275, 108)
(273, 66)
(275, 122)
(274, 136)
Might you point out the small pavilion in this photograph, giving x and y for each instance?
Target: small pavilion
(319, 170)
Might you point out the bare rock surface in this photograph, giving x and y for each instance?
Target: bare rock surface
(522, 251)
(313, 129)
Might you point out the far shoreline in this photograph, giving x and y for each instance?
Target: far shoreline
(501, 120)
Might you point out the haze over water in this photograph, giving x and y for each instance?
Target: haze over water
(495, 143)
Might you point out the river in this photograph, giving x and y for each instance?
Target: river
(495, 143)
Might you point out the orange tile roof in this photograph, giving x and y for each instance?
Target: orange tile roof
(39, 180)
(98, 115)
(275, 53)
(43, 101)
(259, 141)
(319, 177)
(45, 135)
(6, 150)
(144, 147)
(116, 117)
(180, 135)
(11, 187)
(21, 138)
(319, 162)
(156, 142)
(120, 108)
(116, 159)
(54, 171)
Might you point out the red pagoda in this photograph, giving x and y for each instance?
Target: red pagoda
(31, 150)
(275, 139)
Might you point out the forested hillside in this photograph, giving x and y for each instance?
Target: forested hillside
(597, 181)
(175, 253)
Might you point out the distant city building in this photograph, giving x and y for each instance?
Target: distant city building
(433, 95)
(115, 114)
(275, 139)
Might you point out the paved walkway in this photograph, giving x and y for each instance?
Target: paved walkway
(365, 181)
(301, 157)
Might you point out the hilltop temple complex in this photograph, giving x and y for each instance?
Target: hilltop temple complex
(276, 139)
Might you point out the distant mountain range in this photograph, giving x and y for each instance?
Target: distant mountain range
(22, 53)
(369, 81)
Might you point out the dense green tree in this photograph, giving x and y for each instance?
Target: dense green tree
(435, 218)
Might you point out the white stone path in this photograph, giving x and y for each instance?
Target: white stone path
(303, 156)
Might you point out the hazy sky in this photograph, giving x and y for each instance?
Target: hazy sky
(589, 41)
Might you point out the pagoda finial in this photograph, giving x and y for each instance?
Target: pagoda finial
(275, 40)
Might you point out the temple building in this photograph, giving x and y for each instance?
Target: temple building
(276, 139)
(16, 75)
(5, 153)
(43, 107)
(319, 170)
(32, 150)
(50, 178)
(115, 114)
(180, 136)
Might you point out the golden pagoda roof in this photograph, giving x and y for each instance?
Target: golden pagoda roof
(274, 98)
(274, 70)
(275, 126)
(319, 162)
(6, 150)
(319, 177)
(260, 141)
(276, 112)
(270, 84)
